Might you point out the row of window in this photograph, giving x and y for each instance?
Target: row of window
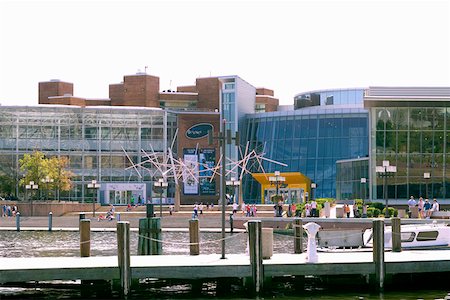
(282, 128)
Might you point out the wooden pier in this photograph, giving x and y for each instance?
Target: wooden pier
(212, 266)
(252, 268)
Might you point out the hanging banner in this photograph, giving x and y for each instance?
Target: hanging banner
(207, 161)
(190, 175)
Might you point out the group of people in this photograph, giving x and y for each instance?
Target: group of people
(425, 208)
(9, 211)
(247, 209)
(109, 215)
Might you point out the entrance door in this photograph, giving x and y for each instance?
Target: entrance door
(120, 197)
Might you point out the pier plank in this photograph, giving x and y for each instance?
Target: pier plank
(212, 266)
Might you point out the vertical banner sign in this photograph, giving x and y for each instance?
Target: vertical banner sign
(207, 161)
(190, 176)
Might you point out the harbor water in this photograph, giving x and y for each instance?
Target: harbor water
(62, 243)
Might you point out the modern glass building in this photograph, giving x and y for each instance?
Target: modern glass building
(352, 179)
(309, 140)
(94, 139)
(410, 128)
(329, 97)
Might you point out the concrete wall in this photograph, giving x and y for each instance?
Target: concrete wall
(57, 208)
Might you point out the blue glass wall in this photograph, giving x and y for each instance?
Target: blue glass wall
(329, 97)
(309, 141)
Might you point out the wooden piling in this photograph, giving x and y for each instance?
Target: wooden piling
(396, 235)
(85, 238)
(298, 235)
(50, 221)
(123, 255)
(149, 242)
(378, 253)
(256, 259)
(194, 237)
(18, 221)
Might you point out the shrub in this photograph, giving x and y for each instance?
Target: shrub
(392, 212)
(378, 205)
(373, 212)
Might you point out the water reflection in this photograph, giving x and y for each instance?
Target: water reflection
(65, 243)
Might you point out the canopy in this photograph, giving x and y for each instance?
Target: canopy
(292, 180)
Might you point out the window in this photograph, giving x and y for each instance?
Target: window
(427, 236)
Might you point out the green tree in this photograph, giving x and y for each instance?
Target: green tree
(37, 168)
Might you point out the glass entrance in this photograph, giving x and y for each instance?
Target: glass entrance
(289, 195)
(120, 197)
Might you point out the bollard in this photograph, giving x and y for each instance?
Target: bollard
(231, 223)
(378, 253)
(123, 255)
(194, 237)
(149, 210)
(50, 221)
(18, 221)
(118, 217)
(298, 236)
(85, 238)
(82, 216)
(396, 235)
(149, 242)
(256, 259)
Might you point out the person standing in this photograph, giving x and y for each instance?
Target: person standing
(347, 210)
(235, 207)
(426, 208)
(314, 209)
(411, 204)
(195, 215)
(420, 208)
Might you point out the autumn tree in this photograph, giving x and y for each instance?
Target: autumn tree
(37, 167)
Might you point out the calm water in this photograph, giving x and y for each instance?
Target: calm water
(34, 244)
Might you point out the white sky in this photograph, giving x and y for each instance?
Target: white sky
(288, 46)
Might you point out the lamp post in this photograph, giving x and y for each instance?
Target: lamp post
(161, 184)
(363, 183)
(313, 187)
(93, 185)
(47, 180)
(233, 182)
(31, 186)
(224, 137)
(426, 177)
(385, 171)
(277, 180)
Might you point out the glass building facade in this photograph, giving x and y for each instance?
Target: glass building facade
(410, 128)
(308, 140)
(329, 97)
(93, 138)
(352, 179)
(417, 141)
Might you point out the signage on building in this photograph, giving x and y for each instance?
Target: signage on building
(199, 131)
(190, 175)
(198, 177)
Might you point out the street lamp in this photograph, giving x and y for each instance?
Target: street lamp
(363, 182)
(31, 186)
(234, 183)
(385, 171)
(277, 180)
(162, 185)
(426, 176)
(47, 180)
(93, 185)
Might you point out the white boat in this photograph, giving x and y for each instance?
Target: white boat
(415, 236)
